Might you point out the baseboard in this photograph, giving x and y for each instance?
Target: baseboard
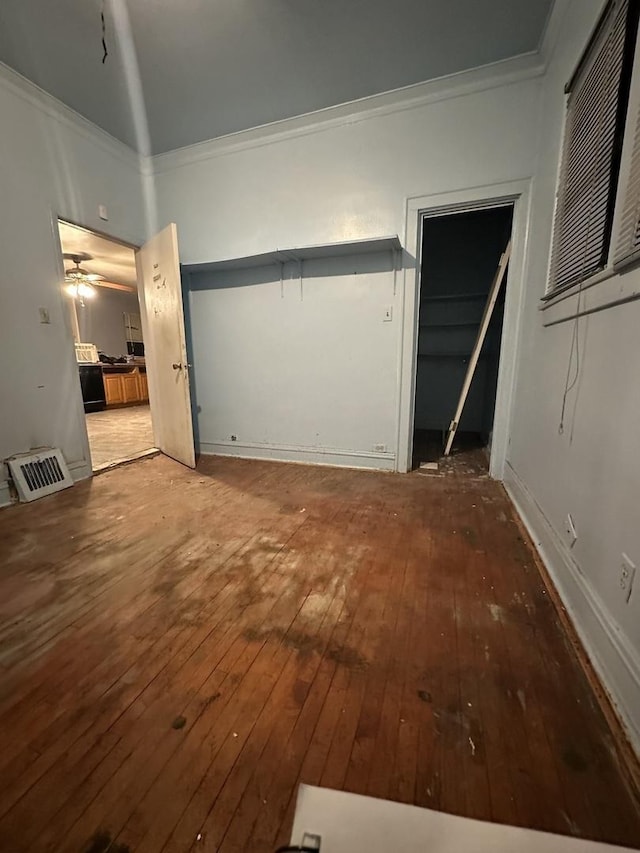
(79, 470)
(377, 461)
(615, 662)
(5, 494)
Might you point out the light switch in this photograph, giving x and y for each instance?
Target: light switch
(44, 315)
(102, 212)
(388, 314)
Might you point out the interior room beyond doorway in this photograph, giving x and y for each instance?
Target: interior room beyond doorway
(460, 256)
(101, 289)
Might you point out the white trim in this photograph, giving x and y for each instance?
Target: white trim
(609, 650)
(60, 112)
(552, 297)
(5, 494)
(518, 193)
(293, 453)
(603, 290)
(80, 470)
(76, 405)
(554, 27)
(504, 73)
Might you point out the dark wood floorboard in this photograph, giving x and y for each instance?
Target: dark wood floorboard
(180, 649)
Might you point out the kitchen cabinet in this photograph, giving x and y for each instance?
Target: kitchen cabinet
(123, 385)
(143, 386)
(113, 389)
(130, 390)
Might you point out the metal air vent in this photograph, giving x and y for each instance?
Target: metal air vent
(39, 473)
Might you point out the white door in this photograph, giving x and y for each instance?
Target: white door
(165, 345)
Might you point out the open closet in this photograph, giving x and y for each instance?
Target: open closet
(460, 255)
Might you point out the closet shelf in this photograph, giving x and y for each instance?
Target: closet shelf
(465, 355)
(448, 297)
(473, 325)
(302, 253)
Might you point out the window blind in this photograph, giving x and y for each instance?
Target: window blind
(596, 110)
(628, 246)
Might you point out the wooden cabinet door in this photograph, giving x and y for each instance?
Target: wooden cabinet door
(113, 390)
(129, 387)
(143, 387)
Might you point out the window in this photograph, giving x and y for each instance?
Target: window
(628, 247)
(598, 94)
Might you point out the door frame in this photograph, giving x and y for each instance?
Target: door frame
(57, 217)
(518, 194)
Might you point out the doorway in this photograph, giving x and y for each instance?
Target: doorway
(460, 252)
(101, 291)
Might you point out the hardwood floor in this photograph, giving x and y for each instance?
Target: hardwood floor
(180, 649)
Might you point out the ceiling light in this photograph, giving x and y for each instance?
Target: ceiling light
(80, 290)
(78, 280)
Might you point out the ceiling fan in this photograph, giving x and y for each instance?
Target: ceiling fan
(79, 281)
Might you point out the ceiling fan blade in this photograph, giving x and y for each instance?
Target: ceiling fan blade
(77, 256)
(114, 285)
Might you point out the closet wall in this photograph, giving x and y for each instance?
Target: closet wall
(302, 366)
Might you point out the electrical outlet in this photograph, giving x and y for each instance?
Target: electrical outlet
(571, 530)
(380, 448)
(627, 575)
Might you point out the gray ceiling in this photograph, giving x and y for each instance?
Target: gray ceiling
(211, 67)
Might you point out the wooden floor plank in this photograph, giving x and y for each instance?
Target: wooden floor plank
(252, 780)
(191, 807)
(176, 668)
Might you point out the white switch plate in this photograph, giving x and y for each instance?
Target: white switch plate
(102, 212)
(43, 313)
(388, 314)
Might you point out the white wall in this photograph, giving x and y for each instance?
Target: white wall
(306, 370)
(51, 163)
(345, 178)
(592, 470)
(101, 320)
(337, 179)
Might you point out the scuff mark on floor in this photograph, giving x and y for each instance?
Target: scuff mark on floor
(522, 699)
(496, 612)
(574, 829)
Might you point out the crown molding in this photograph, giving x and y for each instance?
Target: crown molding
(504, 73)
(55, 109)
(552, 30)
